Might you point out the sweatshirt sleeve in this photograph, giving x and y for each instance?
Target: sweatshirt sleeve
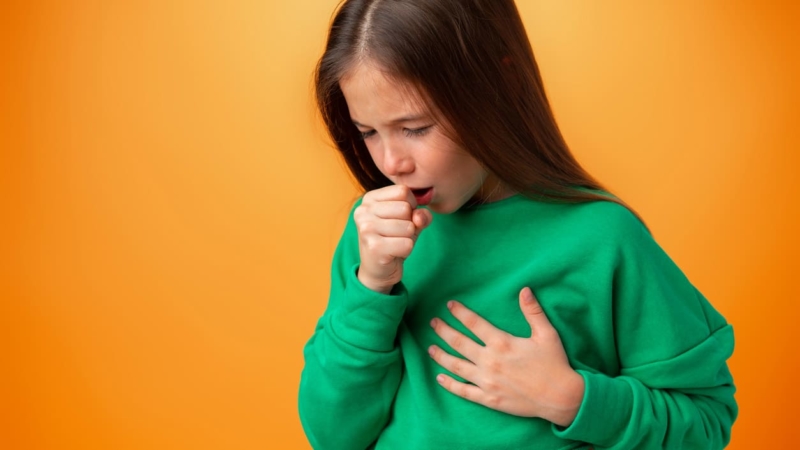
(674, 389)
(352, 362)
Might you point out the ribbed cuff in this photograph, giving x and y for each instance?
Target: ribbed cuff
(369, 319)
(604, 413)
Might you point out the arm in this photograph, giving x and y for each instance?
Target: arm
(352, 365)
(674, 389)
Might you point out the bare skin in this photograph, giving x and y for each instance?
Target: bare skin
(521, 376)
(529, 377)
(388, 226)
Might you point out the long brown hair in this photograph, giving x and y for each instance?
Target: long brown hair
(473, 62)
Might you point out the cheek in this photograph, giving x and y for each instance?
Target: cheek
(374, 154)
(469, 167)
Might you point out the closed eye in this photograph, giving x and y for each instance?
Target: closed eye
(366, 134)
(417, 131)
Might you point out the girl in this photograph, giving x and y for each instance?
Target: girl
(487, 293)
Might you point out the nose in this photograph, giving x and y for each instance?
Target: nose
(397, 160)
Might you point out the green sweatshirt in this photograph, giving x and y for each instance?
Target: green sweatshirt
(651, 349)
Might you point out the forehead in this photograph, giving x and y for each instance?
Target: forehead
(374, 96)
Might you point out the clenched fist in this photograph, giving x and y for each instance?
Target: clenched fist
(388, 223)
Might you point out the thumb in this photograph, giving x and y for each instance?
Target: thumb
(532, 310)
(421, 218)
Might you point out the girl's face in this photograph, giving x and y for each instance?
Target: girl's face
(410, 147)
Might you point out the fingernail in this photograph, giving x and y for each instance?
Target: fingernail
(450, 304)
(527, 295)
(433, 323)
(431, 350)
(440, 378)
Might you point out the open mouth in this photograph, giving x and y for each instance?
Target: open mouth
(423, 195)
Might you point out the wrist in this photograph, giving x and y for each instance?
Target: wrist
(372, 285)
(568, 400)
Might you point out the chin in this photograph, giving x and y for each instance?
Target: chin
(444, 208)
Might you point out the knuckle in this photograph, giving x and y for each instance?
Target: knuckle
(548, 334)
(494, 366)
(536, 310)
(385, 260)
(503, 344)
(494, 401)
(457, 367)
(359, 213)
(365, 227)
(407, 246)
(372, 245)
(457, 341)
(470, 320)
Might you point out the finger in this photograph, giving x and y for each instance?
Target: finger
(392, 210)
(393, 192)
(391, 248)
(459, 366)
(389, 228)
(464, 390)
(456, 340)
(421, 218)
(475, 323)
(533, 311)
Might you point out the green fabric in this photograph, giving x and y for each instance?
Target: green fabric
(650, 347)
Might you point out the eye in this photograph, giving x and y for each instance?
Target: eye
(417, 131)
(366, 134)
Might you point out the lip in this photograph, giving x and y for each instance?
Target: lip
(423, 195)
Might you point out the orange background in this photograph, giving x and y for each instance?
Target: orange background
(170, 204)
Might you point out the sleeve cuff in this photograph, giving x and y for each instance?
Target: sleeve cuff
(604, 413)
(369, 319)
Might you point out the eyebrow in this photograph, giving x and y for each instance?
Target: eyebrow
(396, 121)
